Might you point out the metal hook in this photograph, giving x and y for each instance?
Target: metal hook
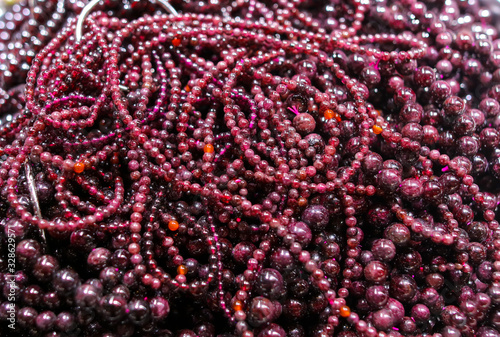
(90, 6)
(33, 196)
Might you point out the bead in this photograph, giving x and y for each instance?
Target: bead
(79, 167)
(176, 42)
(173, 225)
(182, 270)
(238, 305)
(345, 311)
(329, 114)
(208, 148)
(377, 129)
(261, 311)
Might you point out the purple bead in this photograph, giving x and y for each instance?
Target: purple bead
(370, 76)
(27, 251)
(407, 325)
(494, 292)
(17, 228)
(301, 231)
(65, 321)
(186, 333)
(270, 284)
(306, 68)
(44, 191)
(45, 267)
(398, 234)
(316, 216)
(304, 123)
(45, 320)
(411, 113)
(261, 311)
(449, 331)
(112, 307)
(487, 331)
(27, 316)
(65, 281)
(397, 309)
(282, 259)
(86, 296)
(383, 250)
(98, 258)
(440, 90)
(372, 163)
(424, 76)
(274, 330)
(383, 319)
(420, 312)
(83, 239)
(243, 251)
(138, 311)
(389, 180)
(376, 271)
(485, 272)
(411, 188)
(403, 287)
(159, 308)
(377, 296)
(410, 261)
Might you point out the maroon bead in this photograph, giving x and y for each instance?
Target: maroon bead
(316, 216)
(261, 311)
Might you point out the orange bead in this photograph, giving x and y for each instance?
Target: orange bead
(345, 311)
(176, 42)
(209, 148)
(377, 129)
(173, 225)
(79, 167)
(187, 88)
(329, 114)
(302, 202)
(182, 270)
(237, 305)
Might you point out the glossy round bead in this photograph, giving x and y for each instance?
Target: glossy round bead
(301, 231)
(138, 311)
(377, 296)
(376, 271)
(45, 266)
(65, 281)
(383, 319)
(389, 180)
(261, 311)
(304, 123)
(403, 287)
(316, 216)
(112, 307)
(270, 284)
(383, 249)
(87, 295)
(159, 307)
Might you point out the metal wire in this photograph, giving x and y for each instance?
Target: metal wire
(90, 6)
(33, 196)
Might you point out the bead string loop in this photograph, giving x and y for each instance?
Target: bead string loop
(90, 6)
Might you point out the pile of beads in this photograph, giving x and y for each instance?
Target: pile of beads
(252, 168)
